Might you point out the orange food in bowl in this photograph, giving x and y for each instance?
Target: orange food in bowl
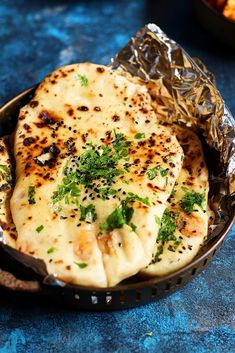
(229, 10)
(225, 7)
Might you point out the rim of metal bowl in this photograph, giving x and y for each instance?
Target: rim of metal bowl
(20, 100)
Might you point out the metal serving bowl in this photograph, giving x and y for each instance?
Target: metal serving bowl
(17, 281)
(214, 22)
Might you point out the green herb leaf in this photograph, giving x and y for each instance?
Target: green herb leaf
(120, 216)
(190, 199)
(106, 192)
(157, 220)
(39, 228)
(51, 250)
(123, 214)
(173, 192)
(83, 80)
(168, 226)
(139, 136)
(120, 145)
(96, 164)
(152, 173)
(158, 253)
(133, 197)
(57, 209)
(5, 172)
(81, 264)
(170, 159)
(133, 226)
(163, 171)
(68, 190)
(88, 213)
(31, 195)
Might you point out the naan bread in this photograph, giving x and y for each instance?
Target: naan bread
(93, 169)
(6, 188)
(184, 222)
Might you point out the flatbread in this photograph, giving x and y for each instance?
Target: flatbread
(187, 228)
(90, 230)
(8, 230)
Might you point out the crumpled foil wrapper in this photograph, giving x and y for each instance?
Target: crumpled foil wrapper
(184, 92)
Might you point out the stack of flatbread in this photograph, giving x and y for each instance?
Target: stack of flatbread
(102, 189)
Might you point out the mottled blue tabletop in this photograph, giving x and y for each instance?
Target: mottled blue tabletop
(38, 36)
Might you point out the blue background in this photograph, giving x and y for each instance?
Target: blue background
(38, 36)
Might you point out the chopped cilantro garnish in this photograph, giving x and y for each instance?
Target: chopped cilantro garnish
(190, 199)
(57, 209)
(51, 250)
(133, 197)
(31, 195)
(88, 213)
(81, 264)
(120, 145)
(139, 136)
(168, 226)
(158, 253)
(166, 232)
(163, 171)
(123, 214)
(95, 163)
(133, 227)
(5, 172)
(177, 243)
(39, 228)
(120, 216)
(106, 192)
(173, 192)
(152, 173)
(68, 191)
(166, 183)
(157, 220)
(83, 80)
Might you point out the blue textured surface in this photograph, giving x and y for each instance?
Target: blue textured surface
(38, 36)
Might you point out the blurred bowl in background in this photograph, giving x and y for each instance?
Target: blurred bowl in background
(214, 22)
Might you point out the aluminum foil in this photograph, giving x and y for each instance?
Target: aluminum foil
(184, 91)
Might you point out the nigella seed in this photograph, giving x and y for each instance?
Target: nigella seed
(83, 108)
